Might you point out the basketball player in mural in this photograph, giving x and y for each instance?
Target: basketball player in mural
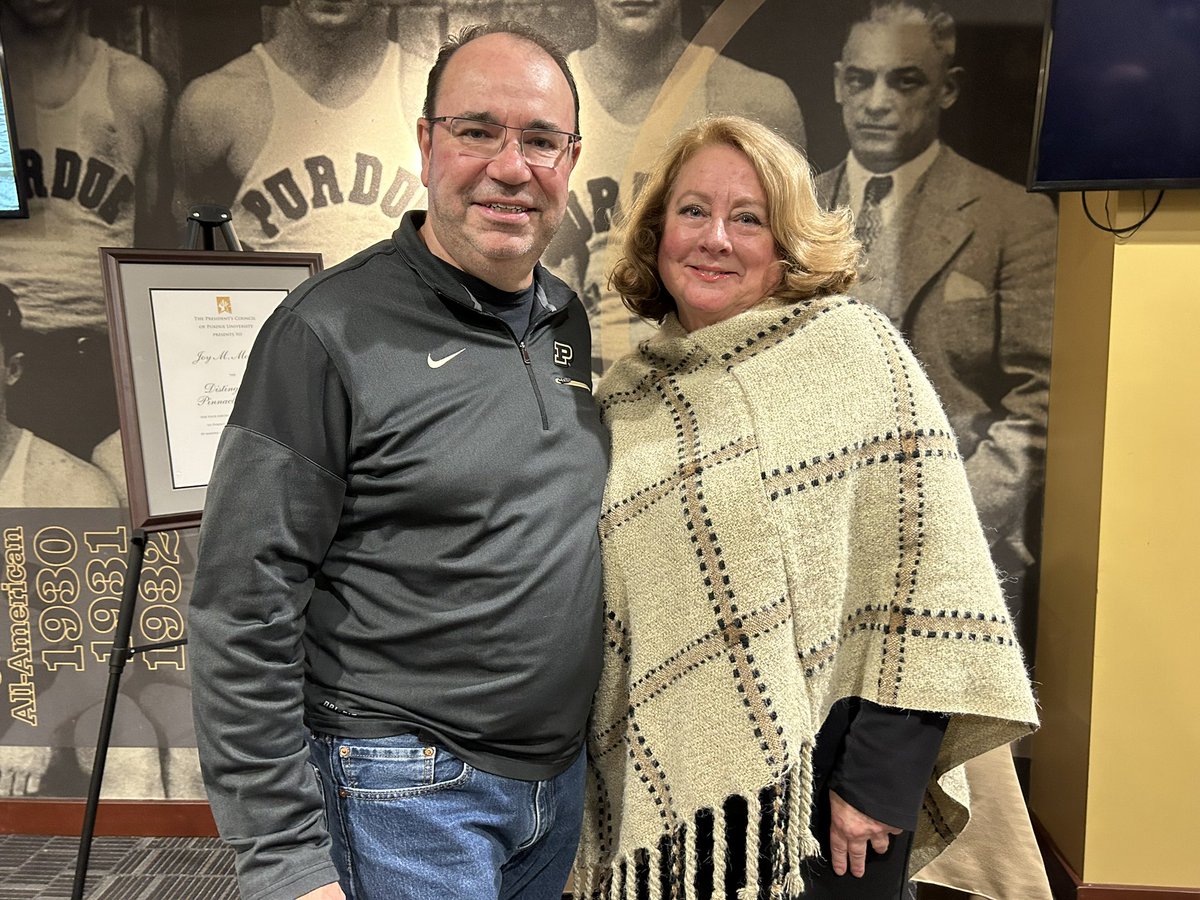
(300, 137)
(157, 763)
(961, 259)
(89, 118)
(620, 78)
(34, 472)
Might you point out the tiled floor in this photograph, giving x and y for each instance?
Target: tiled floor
(129, 868)
(120, 868)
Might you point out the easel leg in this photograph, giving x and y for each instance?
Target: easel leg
(117, 658)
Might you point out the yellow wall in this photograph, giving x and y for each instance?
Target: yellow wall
(1124, 443)
(1074, 465)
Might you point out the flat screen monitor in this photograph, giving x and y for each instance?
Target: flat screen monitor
(12, 198)
(1119, 100)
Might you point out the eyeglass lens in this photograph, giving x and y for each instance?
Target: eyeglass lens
(486, 139)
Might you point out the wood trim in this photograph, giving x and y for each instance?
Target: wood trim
(1065, 883)
(1133, 892)
(1064, 880)
(133, 818)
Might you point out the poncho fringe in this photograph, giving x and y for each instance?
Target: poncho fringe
(677, 858)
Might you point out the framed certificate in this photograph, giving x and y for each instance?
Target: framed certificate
(182, 323)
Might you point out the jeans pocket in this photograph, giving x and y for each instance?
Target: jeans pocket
(394, 767)
(320, 780)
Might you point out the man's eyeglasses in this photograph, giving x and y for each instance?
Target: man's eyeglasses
(484, 140)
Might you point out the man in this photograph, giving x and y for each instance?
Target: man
(298, 137)
(89, 118)
(399, 547)
(636, 89)
(960, 259)
(33, 472)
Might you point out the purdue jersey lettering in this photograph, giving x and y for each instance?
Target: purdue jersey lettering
(94, 184)
(282, 195)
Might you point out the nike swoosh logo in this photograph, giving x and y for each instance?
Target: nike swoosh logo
(438, 363)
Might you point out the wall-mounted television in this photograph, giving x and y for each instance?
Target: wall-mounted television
(12, 197)
(1119, 99)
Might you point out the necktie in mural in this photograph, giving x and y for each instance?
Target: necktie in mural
(870, 217)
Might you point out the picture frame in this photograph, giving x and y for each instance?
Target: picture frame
(13, 203)
(181, 325)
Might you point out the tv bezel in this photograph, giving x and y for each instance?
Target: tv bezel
(10, 134)
(1093, 184)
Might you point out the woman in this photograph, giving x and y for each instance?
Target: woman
(799, 596)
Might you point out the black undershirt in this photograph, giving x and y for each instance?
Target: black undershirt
(514, 307)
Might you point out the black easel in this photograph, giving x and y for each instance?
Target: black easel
(202, 221)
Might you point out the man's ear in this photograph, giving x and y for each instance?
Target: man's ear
(13, 368)
(837, 83)
(425, 142)
(950, 87)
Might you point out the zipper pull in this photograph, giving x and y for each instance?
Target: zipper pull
(524, 353)
(571, 382)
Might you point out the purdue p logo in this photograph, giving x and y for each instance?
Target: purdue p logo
(563, 354)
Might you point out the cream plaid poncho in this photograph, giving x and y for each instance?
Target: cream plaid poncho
(787, 522)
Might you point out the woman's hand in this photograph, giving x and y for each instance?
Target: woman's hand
(849, 833)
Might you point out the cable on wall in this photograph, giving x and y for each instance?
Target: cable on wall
(1125, 230)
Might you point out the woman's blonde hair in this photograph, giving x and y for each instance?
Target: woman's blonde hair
(817, 247)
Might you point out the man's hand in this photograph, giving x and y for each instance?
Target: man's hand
(849, 833)
(331, 891)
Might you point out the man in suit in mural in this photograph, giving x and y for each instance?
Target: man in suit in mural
(621, 78)
(299, 136)
(961, 259)
(89, 118)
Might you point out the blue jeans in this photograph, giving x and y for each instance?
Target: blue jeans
(410, 821)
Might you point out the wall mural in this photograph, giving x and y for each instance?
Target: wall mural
(300, 116)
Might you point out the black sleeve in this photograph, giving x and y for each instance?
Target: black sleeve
(886, 761)
(293, 394)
